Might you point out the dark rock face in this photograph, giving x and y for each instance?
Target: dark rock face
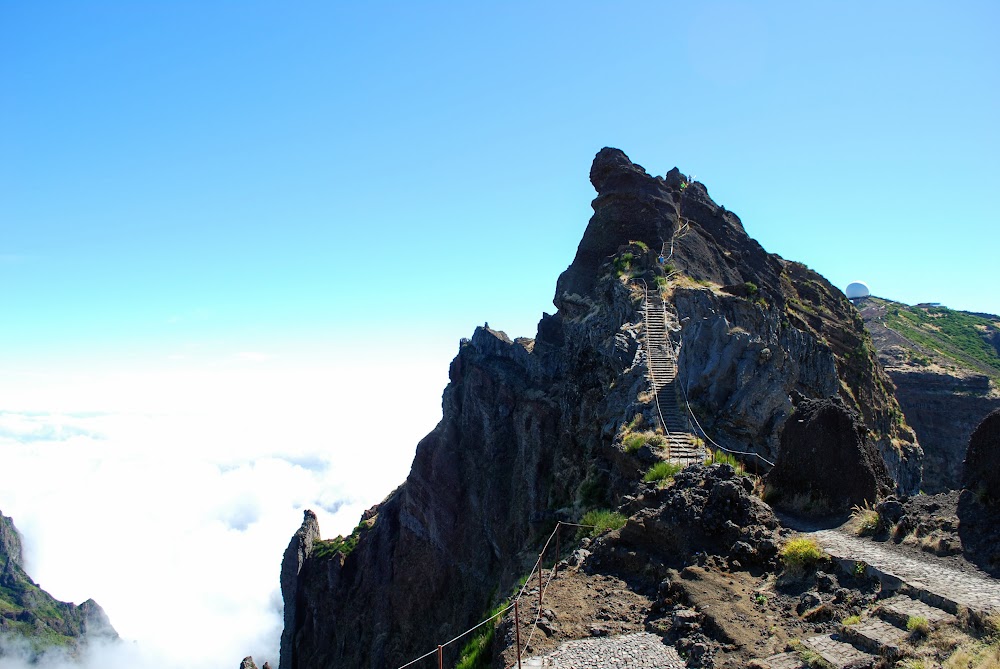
(980, 472)
(32, 615)
(826, 454)
(291, 564)
(943, 409)
(528, 430)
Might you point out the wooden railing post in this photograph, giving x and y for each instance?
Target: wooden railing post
(555, 565)
(440, 658)
(540, 555)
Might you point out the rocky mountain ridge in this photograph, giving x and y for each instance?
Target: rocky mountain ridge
(532, 430)
(32, 622)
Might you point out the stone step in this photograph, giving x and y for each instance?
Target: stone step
(899, 609)
(839, 653)
(782, 661)
(876, 636)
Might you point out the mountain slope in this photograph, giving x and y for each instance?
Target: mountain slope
(945, 365)
(31, 620)
(533, 430)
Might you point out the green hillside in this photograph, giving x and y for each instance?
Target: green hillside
(969, 340)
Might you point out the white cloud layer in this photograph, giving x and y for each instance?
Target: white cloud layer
(173, 509)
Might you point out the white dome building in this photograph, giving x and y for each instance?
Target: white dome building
(857, 290)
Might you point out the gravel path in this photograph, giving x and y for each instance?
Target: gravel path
(630, 651)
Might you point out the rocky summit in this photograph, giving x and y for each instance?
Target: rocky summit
(676, 338)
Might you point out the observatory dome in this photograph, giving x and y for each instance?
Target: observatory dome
(857, 290)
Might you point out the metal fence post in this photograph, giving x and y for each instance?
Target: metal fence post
(517, 633)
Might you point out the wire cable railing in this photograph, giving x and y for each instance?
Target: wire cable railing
(514, 605)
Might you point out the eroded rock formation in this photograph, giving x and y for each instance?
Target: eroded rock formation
(530, 428)
(827, 462)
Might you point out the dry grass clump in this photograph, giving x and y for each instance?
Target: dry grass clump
(866, 519)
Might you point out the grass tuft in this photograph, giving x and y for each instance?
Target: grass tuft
(866, 519)
(603, 520)
(662, 472)
(800, 554)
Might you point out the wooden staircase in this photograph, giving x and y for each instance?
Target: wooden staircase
(683, 446)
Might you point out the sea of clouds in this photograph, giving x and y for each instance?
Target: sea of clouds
(173, 508)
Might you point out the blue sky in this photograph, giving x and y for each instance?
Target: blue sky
(282, 217)
(252, 174)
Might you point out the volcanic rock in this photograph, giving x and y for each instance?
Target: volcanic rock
(827, 462)
(980, 472)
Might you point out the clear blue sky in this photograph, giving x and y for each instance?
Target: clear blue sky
(257, 173)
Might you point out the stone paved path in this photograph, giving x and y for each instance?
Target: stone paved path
(629, 651)
(979, 593)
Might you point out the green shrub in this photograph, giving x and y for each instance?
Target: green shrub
(642, 245)
(662, 472)
(718, 457)
(623, 263)
(602, 520)
(850, 620)
(594, 490)
(801, 553)
(633, 442)
(324, 548)
(751, 287)
(477, 653)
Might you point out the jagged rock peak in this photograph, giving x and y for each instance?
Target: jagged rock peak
(248, 663)
(611, 167)
(295, 556)
(10, 542)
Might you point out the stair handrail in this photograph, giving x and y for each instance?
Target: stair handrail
(649, 364)
(687, 403)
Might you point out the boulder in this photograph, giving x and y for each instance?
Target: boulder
(980, 473)
(826, 461)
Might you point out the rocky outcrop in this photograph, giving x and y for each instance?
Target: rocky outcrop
(10, 542)
(32, 616)
(708, 509)
(980, 472)
(292, 562)
(248, 663)
(827, 462)
(531, 428)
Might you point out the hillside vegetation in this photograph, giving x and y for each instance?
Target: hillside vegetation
(970, 340)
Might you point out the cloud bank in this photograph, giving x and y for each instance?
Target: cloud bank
(173, 512)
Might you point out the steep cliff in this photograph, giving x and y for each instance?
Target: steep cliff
(945, 365)
(532, 430)
(31, 620)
